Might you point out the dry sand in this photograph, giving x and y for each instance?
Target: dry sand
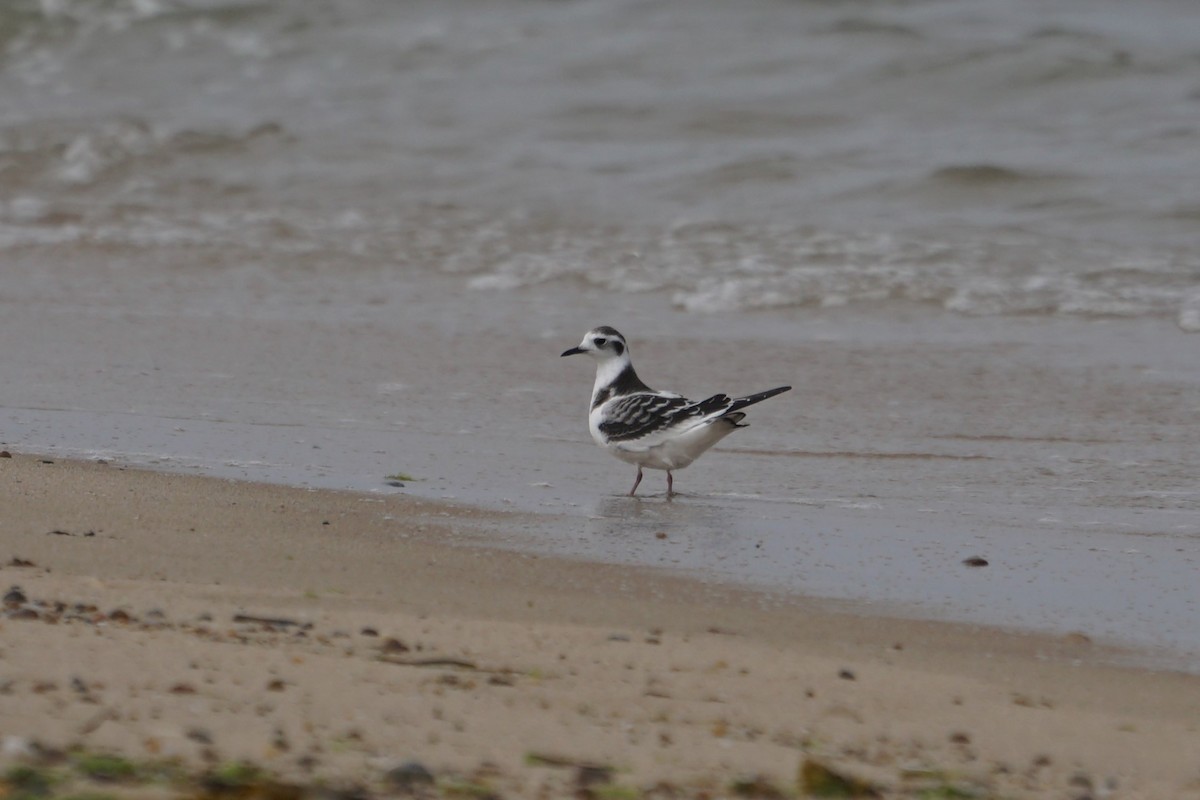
(400, 638)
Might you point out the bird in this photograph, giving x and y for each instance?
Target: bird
(653, 429)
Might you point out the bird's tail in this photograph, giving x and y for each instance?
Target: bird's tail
(750, 400)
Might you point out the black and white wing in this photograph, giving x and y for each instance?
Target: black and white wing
(642, 418)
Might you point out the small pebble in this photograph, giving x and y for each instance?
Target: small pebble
(409, 776)
(19, 747)
(199, 735)
(391, 645)
(592, 775)
(15, 597)
(1080, 781)
(847, 675)
(975, 561)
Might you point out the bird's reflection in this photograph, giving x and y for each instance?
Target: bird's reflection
(710, 536)
(642, 521)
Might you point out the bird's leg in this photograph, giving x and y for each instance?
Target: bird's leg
(670, 484)
(636, 482)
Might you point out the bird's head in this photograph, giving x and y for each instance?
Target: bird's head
(603, 344)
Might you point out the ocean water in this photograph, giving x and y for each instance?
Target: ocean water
(325, 242)
(999, 158)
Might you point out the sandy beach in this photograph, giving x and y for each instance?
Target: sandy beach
(333, 637)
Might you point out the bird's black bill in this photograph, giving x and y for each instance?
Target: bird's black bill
(572, 352)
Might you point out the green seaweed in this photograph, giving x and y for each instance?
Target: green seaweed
(235, 774)
(465, 789)
(818, 780)
(105, 767)
(756, 786)
(614, 791)
(23, 782)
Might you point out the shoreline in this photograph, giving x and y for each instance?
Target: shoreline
(458, 527)
(519, 529)
(669, 678)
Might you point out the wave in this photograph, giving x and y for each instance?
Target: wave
(721, 267)
(82, 154)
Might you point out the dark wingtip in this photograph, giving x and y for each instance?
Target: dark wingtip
(742, 402)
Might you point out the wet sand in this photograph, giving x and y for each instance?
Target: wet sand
(399, 638)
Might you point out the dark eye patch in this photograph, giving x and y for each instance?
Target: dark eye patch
(600, 342)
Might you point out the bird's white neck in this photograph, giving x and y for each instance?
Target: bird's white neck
(607, 372)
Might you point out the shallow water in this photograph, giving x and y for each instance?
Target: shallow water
(321, 243)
